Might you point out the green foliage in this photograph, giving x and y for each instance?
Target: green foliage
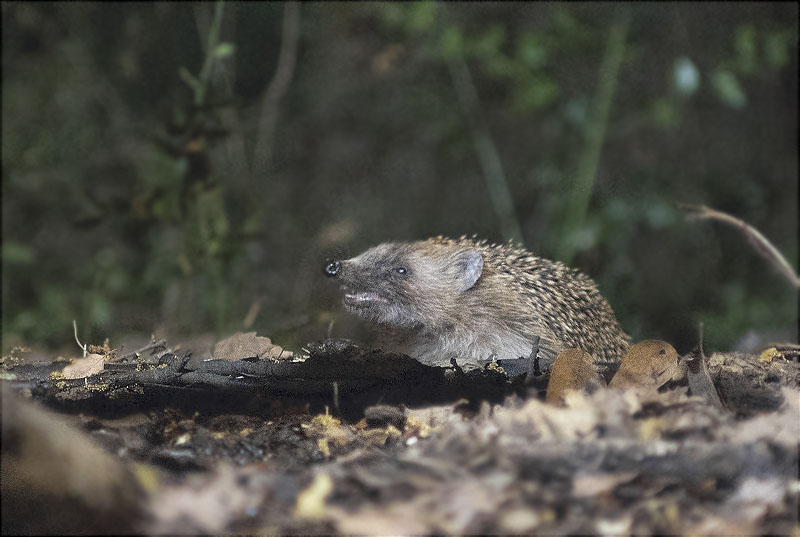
(224, 50)
(728, 89)
(129, 201)
(778, 47)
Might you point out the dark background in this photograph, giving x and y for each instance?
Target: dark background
(139, 199)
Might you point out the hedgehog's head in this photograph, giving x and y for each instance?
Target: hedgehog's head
(407, 284)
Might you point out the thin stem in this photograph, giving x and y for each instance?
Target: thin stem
(580, 194)
(488, 156)
(284, 72)
(75, 331)
(208, 63)
(756, 239)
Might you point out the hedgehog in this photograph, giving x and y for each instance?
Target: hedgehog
(466, 301)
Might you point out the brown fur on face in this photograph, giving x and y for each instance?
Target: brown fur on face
(468, 300)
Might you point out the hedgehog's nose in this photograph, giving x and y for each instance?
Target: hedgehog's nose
(332, 268)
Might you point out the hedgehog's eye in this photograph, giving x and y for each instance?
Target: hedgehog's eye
(400, 270)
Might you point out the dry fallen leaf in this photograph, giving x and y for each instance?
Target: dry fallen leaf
(206, 505)
(520, 520)
(399, 518)
(84, 367)
(241, 346)
(587, 485)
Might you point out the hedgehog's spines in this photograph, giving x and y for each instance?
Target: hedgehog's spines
(518, 296)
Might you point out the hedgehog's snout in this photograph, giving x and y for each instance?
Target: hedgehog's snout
(332, 268)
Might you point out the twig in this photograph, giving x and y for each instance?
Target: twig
(234, 144)
(700, 382)
(252, 313)
(152, 344)
(330, 329)
(335, 399)
(534, 369)
(75, 331)
(287, 58)
(583, 184)
(758, 241)
(701, 337)
(488, 156)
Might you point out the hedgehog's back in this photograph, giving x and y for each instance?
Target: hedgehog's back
(566, 301)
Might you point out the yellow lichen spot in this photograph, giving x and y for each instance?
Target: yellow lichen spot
(768, 355)
(183, 439)
(324, 422)
(5, 375)
(376, 437)
(393, 432)
(147, 476)
(311, 501)
(56, 375)
(548, 515)
(246, 431)
(651, 428)
(673, 514)
(217, 436)
(494, 366)
(97, 387)
(331, 429)
(423, 430)
(323, 447)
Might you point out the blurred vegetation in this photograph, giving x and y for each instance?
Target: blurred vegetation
(186, 168)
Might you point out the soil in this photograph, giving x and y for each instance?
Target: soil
(340, 439)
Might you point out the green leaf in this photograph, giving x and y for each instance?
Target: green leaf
(663, 113)
(488, 45)
(777, 47)
(451, 42)
(745, 43)
(728, 89)
(421, 15)
(536, 93)
(224, 50)
(564, 21)
(531, 52)
(17, 254)
(189, 78)
(502, 66)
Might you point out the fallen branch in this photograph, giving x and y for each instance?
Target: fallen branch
(335, 373)
(758, 241)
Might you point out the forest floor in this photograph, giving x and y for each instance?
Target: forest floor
(246, 437)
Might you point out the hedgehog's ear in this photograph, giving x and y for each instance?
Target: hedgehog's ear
(470, 266)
